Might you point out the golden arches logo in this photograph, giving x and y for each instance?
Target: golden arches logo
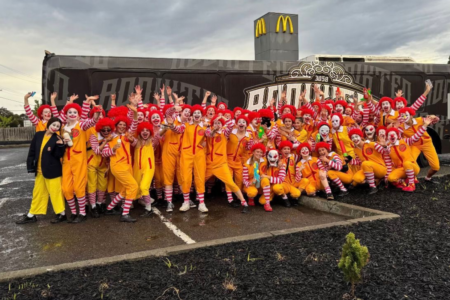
(260, 27)
(285, 20)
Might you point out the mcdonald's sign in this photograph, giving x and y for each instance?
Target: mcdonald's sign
(261, 27)
(285, 20)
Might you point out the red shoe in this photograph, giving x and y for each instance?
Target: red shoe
(410, 188)
(251, 202)
(398, 184)
(267, 207)
(416, 181)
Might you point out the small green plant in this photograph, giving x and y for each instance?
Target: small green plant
(168, 263)
(252, 259)
(354, 257)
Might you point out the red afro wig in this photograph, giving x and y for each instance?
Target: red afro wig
(259, 146)
(95, 109)
(386, 99)
(157, 112)
(393, 129)
(166, 107)
(142, 110)
(401, 99)
(288, 116)
(330, 102)
(105, 122)
(356, 131)
(381, 127)
(323, 124)
(125, 119)
(238, 109)
(72, 105)
(307, 111)
(323, 145)
(227, 111)
(317, 103)
(198, 107)
(217, 118)
(266, 113)
(324, 106)
(222, 104)
(285, 144)
(290, 107)
(411, 111)
(303, 145)
(341, 102)
(242, 117)
(211, 106)
(253, 115)
(41, 110)
(152, 107)
(145, 125)
(186, 106)
(118, 111)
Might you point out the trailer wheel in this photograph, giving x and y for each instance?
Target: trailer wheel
(422, 161)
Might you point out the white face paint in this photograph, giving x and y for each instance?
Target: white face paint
(324, 130)
(356, 139)
(210, 112)
(221, 106)
(272, 158)
(399, 105)
(304, 151)
(46, 114)
(140, 117)
(155, 119)
(404, 117)
(392, 137)
(186, 113)
(242, 124)
(197, 115)
(237, 113)
(307, 118)
(72, 114)
(386, 106)
(339, 108)
(336, 122)
(369, 131)
(54, 127)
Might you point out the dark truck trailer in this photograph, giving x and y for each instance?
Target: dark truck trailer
(248, 84)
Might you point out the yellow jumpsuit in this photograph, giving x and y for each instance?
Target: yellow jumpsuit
(275, 188)
(403, 160)
(236, 152)
(343, 144)
(144, 168)
(372, 161)
(97, 181)
(290, 185)
(310, 175)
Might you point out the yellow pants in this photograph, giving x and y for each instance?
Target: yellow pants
(111, 181)
(159, 175)
(222, 172)
(251, 191)
(291, 190)
(430, 154)
(275, 189)
(42, 189)
(346, 178)
(124, 174)
(144, 180)
(400, 173)
(304, 182)
(193, 164)
(313, 186)
(237, 172)
(369, 167)
(97, 175)
(171, 168)
(74, 178)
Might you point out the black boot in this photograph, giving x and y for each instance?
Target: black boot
(245, 210)
(26, 220)
(147, 213)
(80, 218)
(95, 212)
(330, 197)
(58, 219)
(343, 193)
(294, 202)
(72, 218)
(373, 190)
(127, 219)
(112, 212)
(286, 202)
(101, 208)
(234, 204)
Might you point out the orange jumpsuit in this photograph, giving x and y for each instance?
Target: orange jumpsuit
(290, 185)
(403, 160)
(97, 167)
(372, 161)
(275, 182)
(310, 175)
(171, 145)
(236, 152)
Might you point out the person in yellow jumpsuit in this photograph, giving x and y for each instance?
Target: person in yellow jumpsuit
(144, 164)
(289, 184)
(272, 173)
(44, 155)
(118, 150)
(342, 142)
(156, 119)
(251, 174)
(74, 177)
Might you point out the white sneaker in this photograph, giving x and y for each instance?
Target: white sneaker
(202, 208)
(170, 207)
(192, 204)
(185, 206)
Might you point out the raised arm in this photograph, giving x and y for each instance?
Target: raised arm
(419, 102)
(34, 120)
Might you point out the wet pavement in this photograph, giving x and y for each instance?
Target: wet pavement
(44, 244)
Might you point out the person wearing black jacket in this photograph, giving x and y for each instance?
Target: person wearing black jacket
(44, 159)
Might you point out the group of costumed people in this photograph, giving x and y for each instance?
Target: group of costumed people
(81, 154)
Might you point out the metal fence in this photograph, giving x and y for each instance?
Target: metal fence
(17, 134)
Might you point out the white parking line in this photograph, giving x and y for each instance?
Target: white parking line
(174, 228)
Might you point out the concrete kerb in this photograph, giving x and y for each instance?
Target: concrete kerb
(357, 213)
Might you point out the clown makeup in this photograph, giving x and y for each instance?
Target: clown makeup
(145, 134)
(197, 115)
(221, 106)
(210, 113)
(386, 106)
(322, 151)
(298, 125)
(404, 117)
(286, 111)
(339, 108)
(399, 105)
(304, 152)
(72, 114)
(242, 125)
(54, 127)
(155, 119)
(330, 105)
(382, 133)
(348, 111)
(237, 113)
(286, 151)
(153, 108)
(141, 117)
(336, 122)
(307, 118)
(392, 137)
(324, 130)
(46, 114)
(255, 122)
(227, 116)
(217, 125)
(105, 132)
(121, 127)
(356, 139)
(288, 123)
(272, 158)
(369, 132)
(257, 154)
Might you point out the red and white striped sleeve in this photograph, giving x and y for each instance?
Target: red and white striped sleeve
(33, 119)
(365, 120)
(54, 111)
(85, 110)
(133, 126)
(107, 151)
(87, 123)
(280, 178)
(228, 127)
(113, 106)
(380, 149)
(273, 132)
(298, 174)
(140, 105)
(295, 144)
(62, 116)
(416, 137)
(321, 166)
(419, 102)
(179, 128)
(162, 103)
(204, 105)
(94, 144)
(335, 163)
(246, 177)
(249, 144)
(373, 108)
(208, 133)
(279, 106)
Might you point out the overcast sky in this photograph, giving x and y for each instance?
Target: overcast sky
(207, 29)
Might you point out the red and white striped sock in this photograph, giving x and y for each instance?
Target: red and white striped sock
(410, 176)
(72, 206)
(266, 192)
(169, 193)
(176, 189)
(115, 201)
(123, 202)
(127, 206)
(159, 193)
(370, 178)
(328, 190)
(82, 205)
(186, 197)
(146, 199)
(91, 197)
(201, 197)
(230, 197)
(101, 197)
(339, 183)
